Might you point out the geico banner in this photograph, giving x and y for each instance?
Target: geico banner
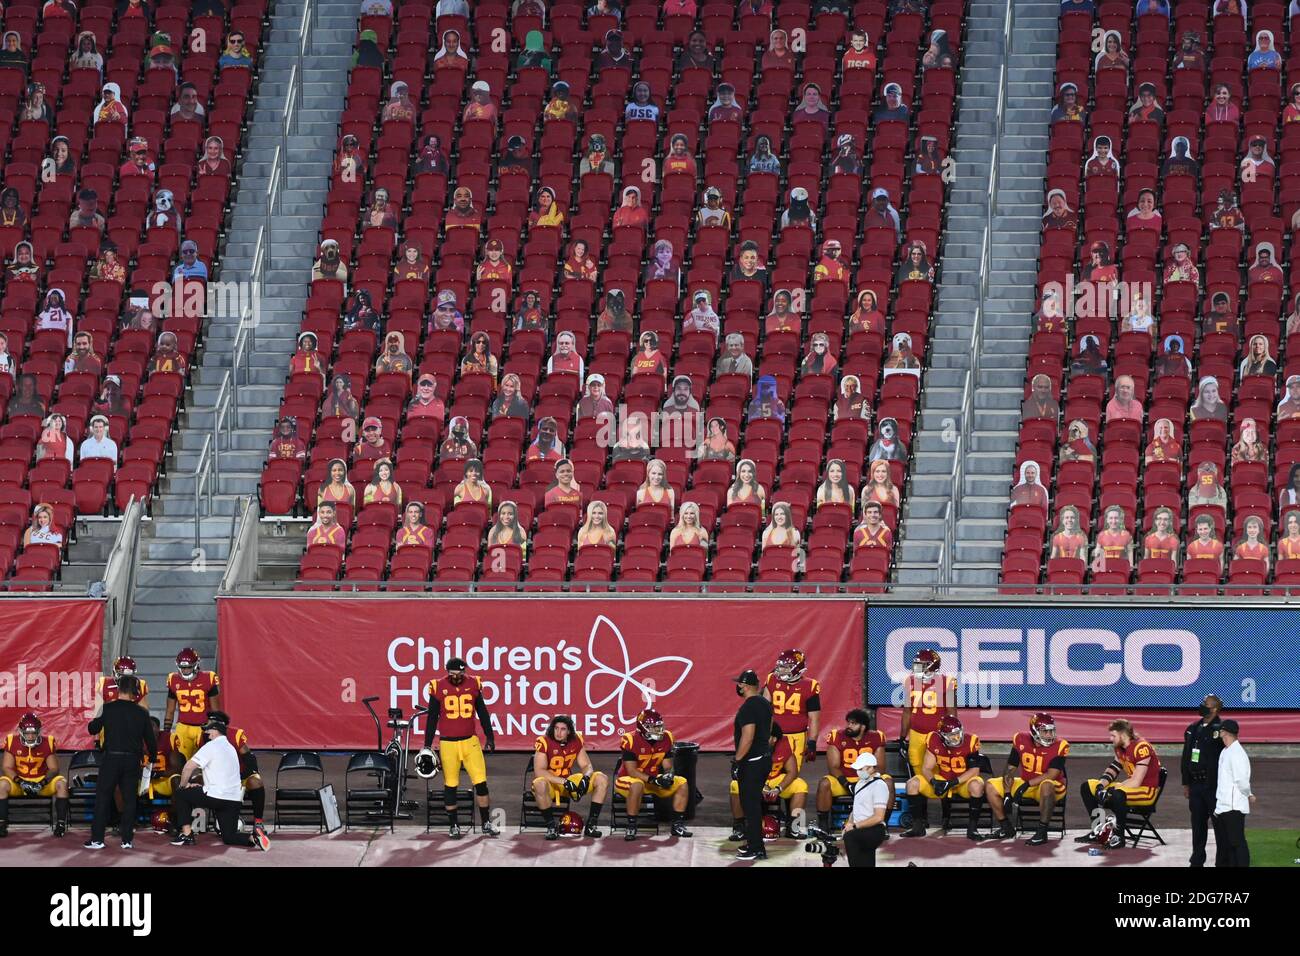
(1084, 657)
(50, 665)
(294, 671)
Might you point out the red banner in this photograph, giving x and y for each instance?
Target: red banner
(50, 659)
(294, 670)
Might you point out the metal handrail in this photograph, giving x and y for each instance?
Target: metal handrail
(1006, 595)
(203, 473)
(273, 197)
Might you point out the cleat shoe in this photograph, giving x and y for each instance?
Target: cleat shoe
(679, 830)
(1006, 831)
(630, 833)
(1038, 839)
(1116, 841)
(260, 839)
(552, 831)
(183, 839)
(60, 829)
(915, 830)
(592, 831)
(455, 832)
(745, 853)
(737, 834)
(1086, 838)
(490, 829)
(974, 835)
(128, 845)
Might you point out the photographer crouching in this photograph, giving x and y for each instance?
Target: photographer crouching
(865, 830)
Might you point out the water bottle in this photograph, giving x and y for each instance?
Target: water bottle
(1094, 851)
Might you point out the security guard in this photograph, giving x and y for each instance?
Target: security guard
(1200, 768)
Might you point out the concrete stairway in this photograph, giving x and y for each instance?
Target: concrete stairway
(1009, 303)
(931, 498)
(178, 579)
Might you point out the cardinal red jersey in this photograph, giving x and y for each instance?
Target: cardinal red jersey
(455, 704)
(159, 765)
(952, 762)
(780, 754)
(790, 702)
(679, 164)
(871, 741)
(560, 757)
(192, 695)
(1132, 755)
(108, 688)
(30, 761)
(924, 703)
(648, 754)
(1114, 544)
(1035, 760)
(239, 739)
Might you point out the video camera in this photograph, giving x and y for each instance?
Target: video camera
(827, 844)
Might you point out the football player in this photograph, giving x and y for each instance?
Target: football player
(842, 749)
(30, 770)
(249, 775)
(1131, 780)
(555, 755)
(951, 768)
(190, 692)
(796, 703)
(164, 772)
(454, 702)
(1040, 756)
(123, 667)
(783, 783)
(930, 697)
(648, 768)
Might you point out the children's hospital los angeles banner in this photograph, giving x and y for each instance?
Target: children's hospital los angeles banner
(294, 671)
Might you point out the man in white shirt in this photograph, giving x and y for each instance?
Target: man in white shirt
(1232, 800)
(221, 790)
(865, 829)
(99, 445)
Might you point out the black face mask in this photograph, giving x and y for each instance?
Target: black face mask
(740, 691)
(1206, 711)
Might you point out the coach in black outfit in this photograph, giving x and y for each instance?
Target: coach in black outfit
(1200, 768)
(128, 736)
(752, 761)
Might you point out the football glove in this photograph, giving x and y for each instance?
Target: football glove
(844, 782)
(426, 763)
(940, 787)
(1021, 790)
(490, 745)
(664, 780)
(571, 789)
(735, 770)
(584, 785)
(32, 788)
(810, 750)
(771, 794)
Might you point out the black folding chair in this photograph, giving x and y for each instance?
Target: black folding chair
(300, 803)
(1144, 814)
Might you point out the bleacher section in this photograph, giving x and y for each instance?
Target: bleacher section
(513, 147)
(1208, 351)
(52, 96)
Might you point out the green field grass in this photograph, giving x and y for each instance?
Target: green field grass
(1273, 847)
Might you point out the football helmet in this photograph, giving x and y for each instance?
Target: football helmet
(926, 663)
(161, 820)
(771, 827)
(123, 666)
(571, 823)
(187, 662)
(426, 763)
(650, 725)
(29, 728)
(790, 665)
(1042, 727)
(950, 730)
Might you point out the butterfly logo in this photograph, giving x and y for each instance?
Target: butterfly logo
(657, 677)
